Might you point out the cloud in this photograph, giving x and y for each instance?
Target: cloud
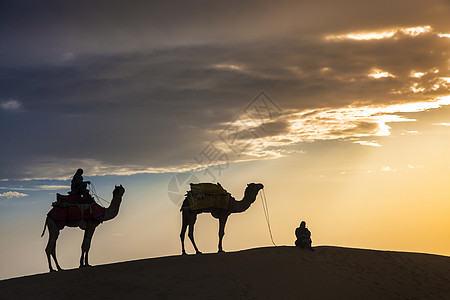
(162, 114)
(415, 166)
(386, 169)
(290, 128)
(368, 143)
(376, 73)
(53, 187)
(11, 105)
(12, 194)
(410, 132)
(147, 93)
(383, 34)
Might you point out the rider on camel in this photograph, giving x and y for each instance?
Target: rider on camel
(78, 186)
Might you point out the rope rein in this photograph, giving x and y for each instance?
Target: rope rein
(99, 199)
(266, 213)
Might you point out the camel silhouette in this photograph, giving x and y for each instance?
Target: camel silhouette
(189, 216)
(88, 225)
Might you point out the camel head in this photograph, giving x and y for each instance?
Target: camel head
(119, 190)
(253, 189)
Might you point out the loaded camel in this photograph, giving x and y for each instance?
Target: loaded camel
(87, 225)
(189, 216)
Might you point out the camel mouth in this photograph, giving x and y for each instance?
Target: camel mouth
(260, 186)
(255, 186)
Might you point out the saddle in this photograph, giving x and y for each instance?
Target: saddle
(73, 208)
(72, 200)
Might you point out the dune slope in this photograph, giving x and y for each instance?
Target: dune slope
(263, 273)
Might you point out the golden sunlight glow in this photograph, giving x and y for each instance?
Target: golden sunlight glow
(376, 73)
(378, 35)
(344, 123)
(349, 123)
(444, 35)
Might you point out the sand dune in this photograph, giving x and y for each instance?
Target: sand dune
(263, 273)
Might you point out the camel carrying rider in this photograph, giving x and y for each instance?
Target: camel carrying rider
(303, 236)
(78, 186)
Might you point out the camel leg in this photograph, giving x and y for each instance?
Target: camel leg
(222, 222)
(85, 246)
(183, 231)
(50, 250)
(192, 220)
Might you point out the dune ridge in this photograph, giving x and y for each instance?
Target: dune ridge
(263, 273)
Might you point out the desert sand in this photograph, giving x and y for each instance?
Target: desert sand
(262, 273)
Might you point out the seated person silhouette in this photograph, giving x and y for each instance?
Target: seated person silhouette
(303, 236)
(78, 186)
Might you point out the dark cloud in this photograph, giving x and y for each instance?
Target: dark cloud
(275, 128)
(149, 85)
(53, 31)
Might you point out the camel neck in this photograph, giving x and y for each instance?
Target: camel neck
(244, 204)
(113, 209)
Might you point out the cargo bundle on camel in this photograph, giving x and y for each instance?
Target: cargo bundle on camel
(208, 196)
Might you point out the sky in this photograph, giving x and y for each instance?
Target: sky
(340, 108)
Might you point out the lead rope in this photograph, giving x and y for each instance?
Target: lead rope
(266, 213)
(99, 199)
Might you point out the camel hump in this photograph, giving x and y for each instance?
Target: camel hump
(207, 188)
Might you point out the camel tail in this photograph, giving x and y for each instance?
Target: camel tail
(45, 226)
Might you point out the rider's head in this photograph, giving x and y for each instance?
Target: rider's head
(80, 171)
(303, 224)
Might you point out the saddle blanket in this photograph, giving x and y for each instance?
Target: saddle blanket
(205, 196)
(66, 215)
(74, 199)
